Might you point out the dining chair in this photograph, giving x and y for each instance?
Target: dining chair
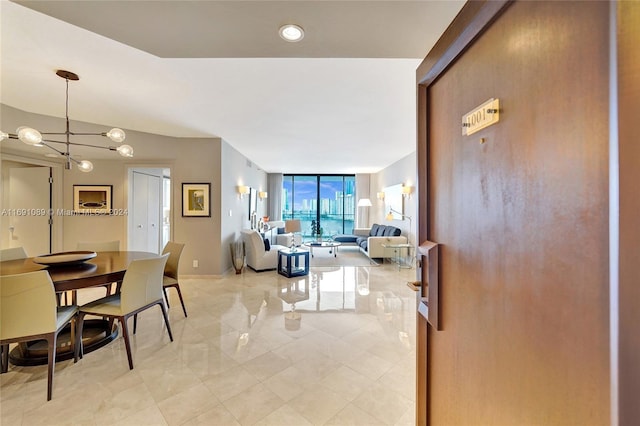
(13, 253)
(101, 246)
(29, 311)
(170, 278)
(141, 289)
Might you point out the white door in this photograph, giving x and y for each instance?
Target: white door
(28, 210)
(144, 227)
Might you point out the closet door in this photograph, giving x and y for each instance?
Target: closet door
(144, 232)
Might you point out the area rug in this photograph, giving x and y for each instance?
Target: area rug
(347, 256)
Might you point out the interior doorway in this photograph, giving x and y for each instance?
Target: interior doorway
(149, 223)
(30, 196)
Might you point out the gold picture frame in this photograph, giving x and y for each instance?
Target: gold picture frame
(196, 200)
(92, 199)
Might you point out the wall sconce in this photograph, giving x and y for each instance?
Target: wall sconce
(406, 191)
(380, 195)
(242, 190)
(262, 195)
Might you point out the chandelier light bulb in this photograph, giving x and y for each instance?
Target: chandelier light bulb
(3, 135)
(29, 136)
(125, 150)
(116, 135)
(85, 166)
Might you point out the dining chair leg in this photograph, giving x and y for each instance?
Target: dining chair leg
(51, 349)
(135, 323)
(5, 358)
(184, 309)
(166, 296)
(79, 326)
(166, 320)
(127, 343)
(74, 326)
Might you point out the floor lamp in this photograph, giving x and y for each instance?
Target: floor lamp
(403, 216)
(363, 217)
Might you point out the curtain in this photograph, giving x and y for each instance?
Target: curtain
(274, 182)
(362, 191)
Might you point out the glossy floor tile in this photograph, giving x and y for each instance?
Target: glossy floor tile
(334, 348)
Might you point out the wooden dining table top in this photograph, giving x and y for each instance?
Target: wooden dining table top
(105, 268)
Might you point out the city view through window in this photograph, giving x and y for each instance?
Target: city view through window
(328, 200)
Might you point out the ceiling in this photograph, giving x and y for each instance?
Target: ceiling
(340, 101)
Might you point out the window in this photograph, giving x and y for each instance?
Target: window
(326, 199)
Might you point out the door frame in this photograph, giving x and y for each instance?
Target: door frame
(57, 230)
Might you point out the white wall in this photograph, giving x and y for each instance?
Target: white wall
(236, 170)
(403, 171)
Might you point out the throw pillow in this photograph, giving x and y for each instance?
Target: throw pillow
(281, 230)
(267, 245)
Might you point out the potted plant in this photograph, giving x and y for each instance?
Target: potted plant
(316, 230)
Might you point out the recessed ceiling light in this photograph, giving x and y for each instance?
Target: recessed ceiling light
(291, 32)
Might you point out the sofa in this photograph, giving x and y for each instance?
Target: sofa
(258, 257)
(371, 240)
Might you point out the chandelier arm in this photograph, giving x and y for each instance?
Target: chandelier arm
(110, 148)
(87, 134)
(74, 134)
(44, 143)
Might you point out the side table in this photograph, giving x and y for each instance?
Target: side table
(398, 250)
(291, 266)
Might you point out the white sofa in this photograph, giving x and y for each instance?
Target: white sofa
(286, 239)
(258, 258)
(371, 240)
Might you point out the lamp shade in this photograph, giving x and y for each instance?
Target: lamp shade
(364, 202)
(292, 225)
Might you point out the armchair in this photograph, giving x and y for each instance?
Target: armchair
(258, 258)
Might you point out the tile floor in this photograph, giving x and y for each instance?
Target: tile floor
(343, 355)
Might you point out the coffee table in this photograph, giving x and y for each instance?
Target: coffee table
(331, 245)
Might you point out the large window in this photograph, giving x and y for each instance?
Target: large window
(327, 199)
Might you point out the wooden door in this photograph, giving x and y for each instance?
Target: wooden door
(520, 210)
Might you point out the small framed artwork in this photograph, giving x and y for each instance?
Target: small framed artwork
(92, 199)
(196, 200)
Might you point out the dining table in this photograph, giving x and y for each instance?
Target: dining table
(105, 268)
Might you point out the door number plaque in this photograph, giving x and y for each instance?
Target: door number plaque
(483, 116)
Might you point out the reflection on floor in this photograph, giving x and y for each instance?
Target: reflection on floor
(334, 348)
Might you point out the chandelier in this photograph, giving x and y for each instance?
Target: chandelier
(33, 137)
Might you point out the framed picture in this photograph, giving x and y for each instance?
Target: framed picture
(394, 201)
(196, 200)
(253, 200)
(92, 199)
